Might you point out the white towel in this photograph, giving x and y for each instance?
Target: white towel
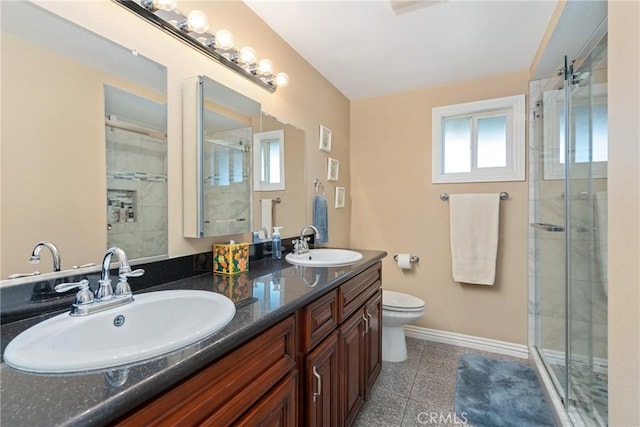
(267, 214)
(474, 237)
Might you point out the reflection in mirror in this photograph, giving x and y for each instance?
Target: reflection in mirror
(268, 161)
(136, 174)
(283, 207)
(218, 130)
(53, 133)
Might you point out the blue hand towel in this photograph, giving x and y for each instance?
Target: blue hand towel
(320, 220)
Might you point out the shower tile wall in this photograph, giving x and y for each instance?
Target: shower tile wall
(130, 152)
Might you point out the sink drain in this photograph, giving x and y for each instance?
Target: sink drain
(118, 321)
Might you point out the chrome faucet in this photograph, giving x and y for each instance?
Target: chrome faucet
(55, 253)
(301, 246)
(85, 303)
(105, 291)
(266, 232)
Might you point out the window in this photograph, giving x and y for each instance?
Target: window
(479, 141)
(589, 150)
(268, 148)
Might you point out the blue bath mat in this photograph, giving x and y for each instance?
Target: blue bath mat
(495, 393)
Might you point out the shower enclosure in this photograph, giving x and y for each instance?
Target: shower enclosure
(569, 232)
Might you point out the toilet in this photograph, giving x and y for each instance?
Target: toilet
(398, 309)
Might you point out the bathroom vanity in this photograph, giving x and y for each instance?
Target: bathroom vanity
(305, 350)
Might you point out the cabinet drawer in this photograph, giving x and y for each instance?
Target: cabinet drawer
(355, 292)
(227, 388)
(319, 319)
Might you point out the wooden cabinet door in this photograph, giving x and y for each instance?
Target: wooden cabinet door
(321, 383)
(353, 334)
(373, 312)
(277, 408)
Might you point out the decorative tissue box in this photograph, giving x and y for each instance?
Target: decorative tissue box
(230, 258)
(236, 288)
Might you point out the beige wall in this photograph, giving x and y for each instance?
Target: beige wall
(53, 176)
(624, 213)
(397, 209)
(307, 102)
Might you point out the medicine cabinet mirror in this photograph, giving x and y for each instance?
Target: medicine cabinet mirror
(218, 132)
(53, 176)
(229, 145)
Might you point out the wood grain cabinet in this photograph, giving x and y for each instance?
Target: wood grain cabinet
(321, 384)
(257, 381)
(314, 368)
(354, 345)
(373, 312)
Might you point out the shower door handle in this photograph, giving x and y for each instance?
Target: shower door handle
(547, 227)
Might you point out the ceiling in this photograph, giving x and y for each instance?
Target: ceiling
(366, 50)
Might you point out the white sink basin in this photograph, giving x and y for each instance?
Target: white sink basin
(154, 324)
(325, 258)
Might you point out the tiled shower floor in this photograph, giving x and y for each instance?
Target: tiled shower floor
(419, 391)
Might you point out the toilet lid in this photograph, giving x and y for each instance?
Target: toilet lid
(398, 300)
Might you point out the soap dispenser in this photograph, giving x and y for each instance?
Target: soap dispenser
(276, 244)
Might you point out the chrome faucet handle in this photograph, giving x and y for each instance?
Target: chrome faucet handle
(123, 288)
(84, 295)
(135, 273)
(20, 275)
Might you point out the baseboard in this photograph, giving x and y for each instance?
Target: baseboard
(469, 341)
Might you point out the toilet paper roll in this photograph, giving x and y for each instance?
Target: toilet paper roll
(404, 261)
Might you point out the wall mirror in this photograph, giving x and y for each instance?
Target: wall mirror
(53, 174)
(282, 204)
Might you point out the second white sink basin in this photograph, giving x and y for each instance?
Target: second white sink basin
(325, 258)
(153, 324)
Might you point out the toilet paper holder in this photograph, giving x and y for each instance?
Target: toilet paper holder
(413, 260)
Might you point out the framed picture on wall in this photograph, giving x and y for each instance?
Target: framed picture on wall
(340, 195)
(333, 167)
(325, 139)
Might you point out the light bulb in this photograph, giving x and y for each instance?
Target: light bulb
(197, 22)
(154, 5)
(165, 4)
(265, 67)
(224, 39)
(282, 79)
(247, 55)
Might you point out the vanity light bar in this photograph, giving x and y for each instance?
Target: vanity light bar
(192, 31)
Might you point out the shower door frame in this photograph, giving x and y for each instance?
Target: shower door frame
(573, 170)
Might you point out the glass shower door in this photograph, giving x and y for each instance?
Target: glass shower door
(570, 222)
(586, 156)
(549, 225)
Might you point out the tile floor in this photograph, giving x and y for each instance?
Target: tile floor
(419, 391)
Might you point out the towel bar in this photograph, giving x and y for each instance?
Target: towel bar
(445, 196)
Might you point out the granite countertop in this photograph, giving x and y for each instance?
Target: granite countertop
(100, 397)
